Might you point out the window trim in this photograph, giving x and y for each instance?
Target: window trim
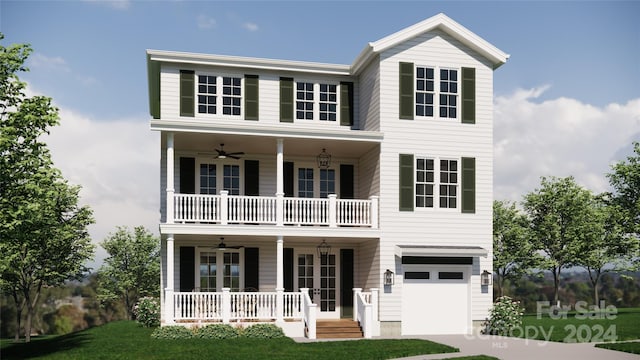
(436, 92)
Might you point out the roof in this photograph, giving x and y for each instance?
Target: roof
(441, 22)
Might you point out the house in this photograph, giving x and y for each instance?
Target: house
(298, 192)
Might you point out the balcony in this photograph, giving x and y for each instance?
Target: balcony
(278, 210)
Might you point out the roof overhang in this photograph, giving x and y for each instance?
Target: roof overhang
(444, 251)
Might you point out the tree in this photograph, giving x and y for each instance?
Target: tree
(606, 246)
(625, 181)
(513, 252)
(132, 269)
(561, 215)
(43, 231)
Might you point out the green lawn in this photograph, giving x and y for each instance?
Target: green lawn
(630, 346)
(128, 340)
(623, 327)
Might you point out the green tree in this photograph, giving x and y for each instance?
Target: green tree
(132, 269)
(561, 214)
(513, 252)
(625, 181)
(43, 232)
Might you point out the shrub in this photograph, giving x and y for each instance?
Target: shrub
(505, 316)
(218, 331)
(263, 331)
(172, 332)
(147, 312)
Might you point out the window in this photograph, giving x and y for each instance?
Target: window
(305, 272)
(450, 275)
(448, 183)
(417, 275)
(231, 271)
(304, 101)
(328, 102)
(327, 182)
(206, 94)
(231, 96)
(424, 91)
(207, 178)
(231, 179)
(448, 93)
(424, 182)
(305, 182)
(208, 271)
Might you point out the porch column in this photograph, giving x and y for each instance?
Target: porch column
(280, 279)
(168, 291)
(356, 291)
(170, 177)
(280, 183)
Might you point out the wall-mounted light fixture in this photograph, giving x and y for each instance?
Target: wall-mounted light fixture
(485, 278)
(388, 278)
(324, 160)
(324, 249)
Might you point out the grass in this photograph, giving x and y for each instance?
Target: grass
(630, 347)
(572, 329)
(129, 340)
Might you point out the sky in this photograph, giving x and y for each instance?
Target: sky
(567, 102)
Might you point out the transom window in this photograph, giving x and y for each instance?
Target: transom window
(448, 183)
(206, 94)
(424, 182)
(305, 182)
(446, 92)
(231, 95)
(328, 102)
(231, 179)
(327, 182)
(207, 178)
(304, 101)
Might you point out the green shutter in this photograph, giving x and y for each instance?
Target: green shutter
(406, 91)
(346, 103)
(251, 97)
(286, 99)
(469, 95)
(187, 90)
(406, 182)
(468, 185)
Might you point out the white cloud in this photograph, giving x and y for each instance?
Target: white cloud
(558, 137)
(114, 4)
(205, 22)
(117, 164)
(47, 63)
(250, 26)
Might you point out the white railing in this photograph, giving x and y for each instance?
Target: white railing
(366, 311)
(275, 210)
(225, 306)
(308, 313)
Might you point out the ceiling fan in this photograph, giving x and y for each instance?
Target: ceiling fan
(223, 154)
(222, 246)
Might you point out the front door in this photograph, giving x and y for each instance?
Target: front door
(319, 275)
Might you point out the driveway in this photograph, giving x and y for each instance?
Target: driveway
(520, 349)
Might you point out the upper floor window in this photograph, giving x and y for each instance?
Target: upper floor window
(208, 179)
(231, 96)
(327, 182)
(230, 92)
(206, 94)
(448, 183)
(424, 182)
(446, 191)
(426, 92)
(304, 101)
(231, 179)
(305, 182)
(328, 102)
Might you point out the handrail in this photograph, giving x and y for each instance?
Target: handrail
(308, 313)
(363, 313)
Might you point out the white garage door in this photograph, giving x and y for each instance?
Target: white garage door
(436, 301)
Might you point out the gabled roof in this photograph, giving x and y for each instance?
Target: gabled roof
(441, 22)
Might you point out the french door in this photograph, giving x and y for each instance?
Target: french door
(319, 274)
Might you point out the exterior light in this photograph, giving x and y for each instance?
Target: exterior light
(324, 160)
(324, 249)
(388, 278)
(485, 278)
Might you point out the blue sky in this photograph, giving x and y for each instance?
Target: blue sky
(566, 103)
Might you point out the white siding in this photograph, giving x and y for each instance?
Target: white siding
(369, 109)
(369, 173)
(434, 138)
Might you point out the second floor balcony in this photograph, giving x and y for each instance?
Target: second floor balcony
(278, 210)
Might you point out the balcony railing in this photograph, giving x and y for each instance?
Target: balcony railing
(273, 210)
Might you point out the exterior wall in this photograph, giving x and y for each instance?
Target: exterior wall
(434, 138)
(370, 99)
(369, 179)
(368, 265)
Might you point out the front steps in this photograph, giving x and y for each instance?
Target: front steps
(338, 329)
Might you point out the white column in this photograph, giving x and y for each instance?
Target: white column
(333, 210)
(280, 183)
(374, 211)
(280, 279)
(356, 291)
(224, 207)
(170, 176)
(168, 291)
(226, 305)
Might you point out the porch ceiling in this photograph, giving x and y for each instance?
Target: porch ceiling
(208, 231)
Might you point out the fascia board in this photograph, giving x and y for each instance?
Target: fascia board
(268, 230)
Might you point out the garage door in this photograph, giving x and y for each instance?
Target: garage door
(436, 301)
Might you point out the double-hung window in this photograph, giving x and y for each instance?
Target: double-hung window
(304, 101)
(206, 94)
(328, 102)
(231, 95)
(426, 92)
(305, 182)
(327, 182)
(316, 101)
(219, 95)
(428, 189)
